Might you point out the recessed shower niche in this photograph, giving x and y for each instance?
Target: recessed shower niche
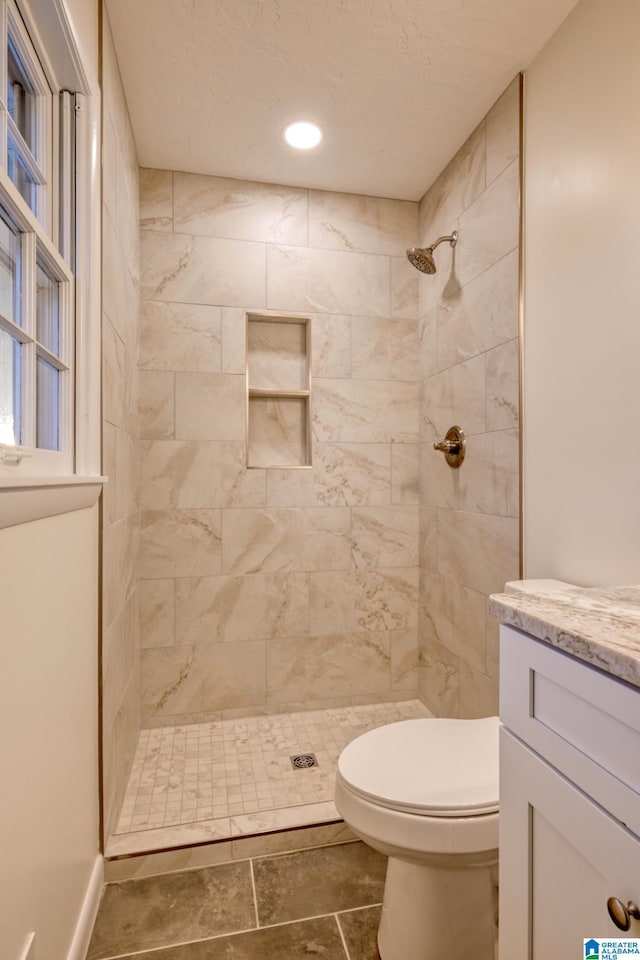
(278, 391)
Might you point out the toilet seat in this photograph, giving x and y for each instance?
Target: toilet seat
(429, 767)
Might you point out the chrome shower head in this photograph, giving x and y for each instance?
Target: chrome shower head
(422, 257)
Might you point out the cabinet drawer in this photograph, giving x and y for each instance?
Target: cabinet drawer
(584, 722)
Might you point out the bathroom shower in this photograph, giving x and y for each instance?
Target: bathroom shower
(422, 257)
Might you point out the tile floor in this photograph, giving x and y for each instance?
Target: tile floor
(323, 901)
(234, 777)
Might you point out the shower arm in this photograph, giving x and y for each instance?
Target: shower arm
(452, 240)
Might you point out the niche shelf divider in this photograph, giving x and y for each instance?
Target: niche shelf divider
(278, 392)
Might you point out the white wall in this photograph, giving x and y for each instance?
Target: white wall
(582, 306)
(48, 729)
(49, 812)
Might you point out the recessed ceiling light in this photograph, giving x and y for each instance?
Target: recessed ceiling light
(303, 135)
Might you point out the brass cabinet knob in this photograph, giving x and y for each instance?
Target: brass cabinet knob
(621, 914)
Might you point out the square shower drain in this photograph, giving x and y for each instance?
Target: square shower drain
(302, 761)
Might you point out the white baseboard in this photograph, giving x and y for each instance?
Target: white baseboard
(88, 911)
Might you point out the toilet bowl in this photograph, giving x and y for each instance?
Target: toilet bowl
(425, 793)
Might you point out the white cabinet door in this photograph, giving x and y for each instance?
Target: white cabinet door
(561, 858)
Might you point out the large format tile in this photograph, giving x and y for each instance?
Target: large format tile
(233, 329)
(158, 911)
(481, 315)
(478, 693)
(156, 404)
(385, 599)
(287, 887)
(120, 555)
(454, 396)
(239, 209)
(327, 281)
(232, 609)
(295, 539)
(435, 288)
(428, 537)
(347, 221)
(179, 336)
(503, 130)
(331, 602)
(427, 344)
(405, 289)
(385, 536)
(300, 669)
(360, 931)
(210, 406)
(119, 296)
(455, 189)
(490, 227)
(188, 473)
(343, 474)
(293, 941)
(117, 666)
(126, 479)
(478, 550)
(405, 476)
(188, 269)
(180, 543)
(330, 345)
(114, 378)
(405, 657)
(453, 616)
(190, 680)
(157, 613)
(383, 349)
(439, 679)
(365, 411)
(487, 482)
(156, 199)
(503, 400)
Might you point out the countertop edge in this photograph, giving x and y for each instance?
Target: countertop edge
(602, 638)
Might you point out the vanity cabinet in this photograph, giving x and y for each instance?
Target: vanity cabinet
(569, 800)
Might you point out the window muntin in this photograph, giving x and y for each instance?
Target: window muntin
(48, 406)
(10, 389)
(9, 272)
(47, 310)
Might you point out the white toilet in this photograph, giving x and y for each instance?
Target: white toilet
(425, 793)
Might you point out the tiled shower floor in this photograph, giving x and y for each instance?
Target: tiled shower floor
(230, 778)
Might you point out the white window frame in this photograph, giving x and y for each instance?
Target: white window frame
(34, 482)
(41, 162)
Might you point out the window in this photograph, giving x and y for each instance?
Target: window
(37, 301)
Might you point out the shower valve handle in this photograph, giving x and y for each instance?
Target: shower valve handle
(446, 446)
(453, 446)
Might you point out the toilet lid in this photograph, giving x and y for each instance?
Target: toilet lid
(434, 767)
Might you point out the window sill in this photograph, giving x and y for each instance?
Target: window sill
(38, 497)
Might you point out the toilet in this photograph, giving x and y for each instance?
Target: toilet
(425, 793)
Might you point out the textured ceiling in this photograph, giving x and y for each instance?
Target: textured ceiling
(396, 85)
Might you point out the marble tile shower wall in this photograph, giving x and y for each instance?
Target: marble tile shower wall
(120, 438)
(469, 376)
(272, 590)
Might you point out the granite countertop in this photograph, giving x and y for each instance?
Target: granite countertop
(600, 625)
